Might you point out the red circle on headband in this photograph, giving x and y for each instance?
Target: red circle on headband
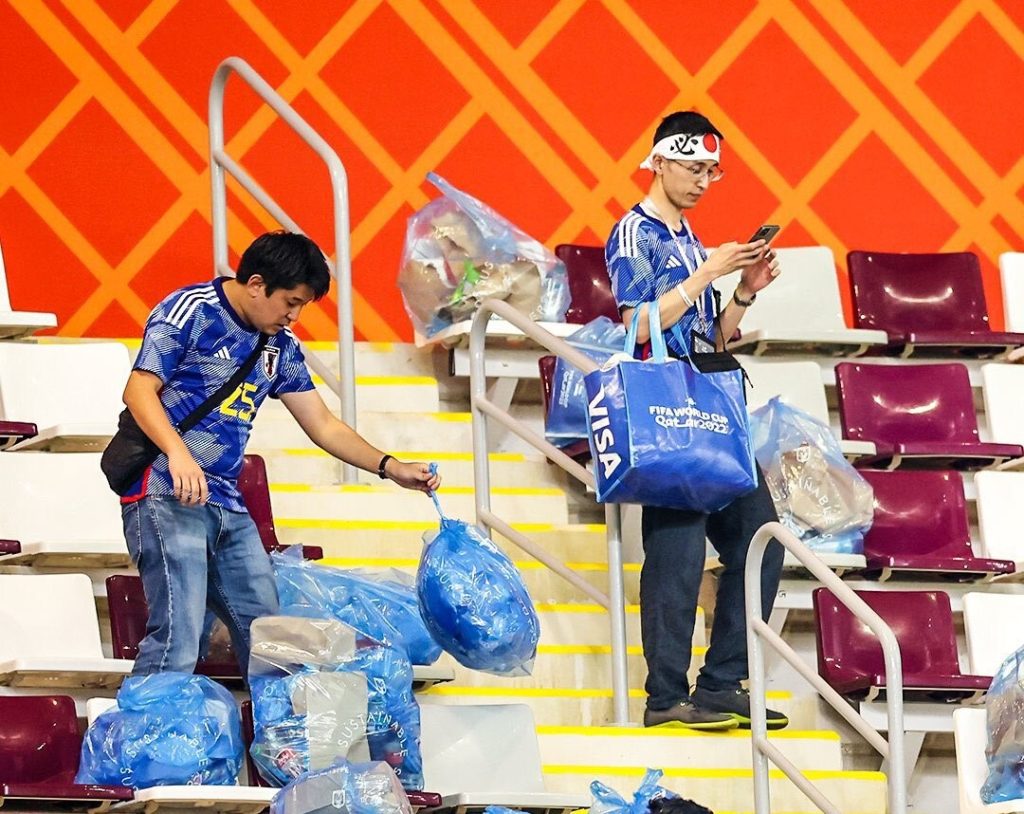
(710, 142)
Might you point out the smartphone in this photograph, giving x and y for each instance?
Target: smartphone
(765, 233)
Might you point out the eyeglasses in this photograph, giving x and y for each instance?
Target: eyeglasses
(712, 173)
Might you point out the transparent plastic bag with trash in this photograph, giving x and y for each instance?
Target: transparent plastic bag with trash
(458, 252)
(321, 692)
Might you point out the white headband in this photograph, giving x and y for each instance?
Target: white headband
(704, 147)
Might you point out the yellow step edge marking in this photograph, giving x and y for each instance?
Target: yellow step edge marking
(594, 650)
(531, 491)
(459, 418)
(580, 607)
(775, 774)
(658, 732)
(412, 562)
(555, 693)
(387, 525)
(416, 455)
(396, 381)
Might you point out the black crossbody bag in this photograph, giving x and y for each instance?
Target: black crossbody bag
(130, 452)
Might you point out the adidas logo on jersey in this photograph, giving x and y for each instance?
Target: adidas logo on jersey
(672, 262)
(223, 354)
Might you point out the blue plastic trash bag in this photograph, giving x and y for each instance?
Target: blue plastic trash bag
(1004, 706)
(322, 691)
(458, 252)
(608, 801)
(474, 601)
(344, 788)
(818, 494)
(168, 729)
(566, 420)
(382, 605)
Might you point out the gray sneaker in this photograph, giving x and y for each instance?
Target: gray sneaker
(737, 704)
(688, 715)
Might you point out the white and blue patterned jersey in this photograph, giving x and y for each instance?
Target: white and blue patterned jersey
(194, 341)
(644, 262)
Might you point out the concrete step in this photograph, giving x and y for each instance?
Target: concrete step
(570, 667)
(379, 358)
(388, 501)
(730, 791)
(394, 394)
(312, 465)
(668, 748)
(274, 428)
(583, 706)
(403, 538)
(543, 584)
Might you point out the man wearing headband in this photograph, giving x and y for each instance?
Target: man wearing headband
(655, 260)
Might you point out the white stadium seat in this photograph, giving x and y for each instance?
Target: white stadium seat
(18, 324)
(56, 510)
(51, 636)
(991, 622)
(801, 310)
(72, 393)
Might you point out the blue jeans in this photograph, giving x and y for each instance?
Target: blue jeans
(674, 547)
(191, 557)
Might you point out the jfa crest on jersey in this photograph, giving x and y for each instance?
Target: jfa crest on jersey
(270, 356)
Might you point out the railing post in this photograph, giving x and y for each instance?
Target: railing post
(617, 614)
(342, 266)
(756, 628)
(478, 391)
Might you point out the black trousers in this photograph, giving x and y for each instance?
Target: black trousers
(674, 549)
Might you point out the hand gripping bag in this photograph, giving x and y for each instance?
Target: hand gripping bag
(474, 602)
(167, 729)
(382, 605)
(666, 432)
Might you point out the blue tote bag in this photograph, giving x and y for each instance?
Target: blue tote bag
(667, 432)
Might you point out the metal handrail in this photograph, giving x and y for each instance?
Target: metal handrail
(757, 630)
(344, 385)
(482, 410)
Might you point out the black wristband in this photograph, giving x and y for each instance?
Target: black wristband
(743, 303)
(380, 467)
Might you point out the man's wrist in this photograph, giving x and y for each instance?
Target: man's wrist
(743, 297)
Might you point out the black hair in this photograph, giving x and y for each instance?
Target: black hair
(285, 260)
(685, 121)
(677, 805)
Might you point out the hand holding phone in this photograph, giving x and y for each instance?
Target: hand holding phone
(765, 233)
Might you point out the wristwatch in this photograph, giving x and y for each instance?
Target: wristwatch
(743, 303)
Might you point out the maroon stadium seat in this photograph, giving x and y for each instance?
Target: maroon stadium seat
(850, 657)
(418, 799)
(128, 617)
(921, 414)
(40, 745)
(11, 432)
(920, 525)
(252, 483)
(589, 284)
(926, 303)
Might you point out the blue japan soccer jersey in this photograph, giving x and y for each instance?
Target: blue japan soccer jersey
(645, 261)
(194, 341)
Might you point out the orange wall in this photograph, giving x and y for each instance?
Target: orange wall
(876, 124)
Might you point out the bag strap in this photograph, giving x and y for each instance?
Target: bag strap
(225, 389)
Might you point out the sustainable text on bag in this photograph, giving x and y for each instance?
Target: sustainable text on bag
(665, 433)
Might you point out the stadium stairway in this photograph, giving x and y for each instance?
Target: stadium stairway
(375, 524)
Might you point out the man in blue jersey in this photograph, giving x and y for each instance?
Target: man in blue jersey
(655, 260)
(186, 526)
